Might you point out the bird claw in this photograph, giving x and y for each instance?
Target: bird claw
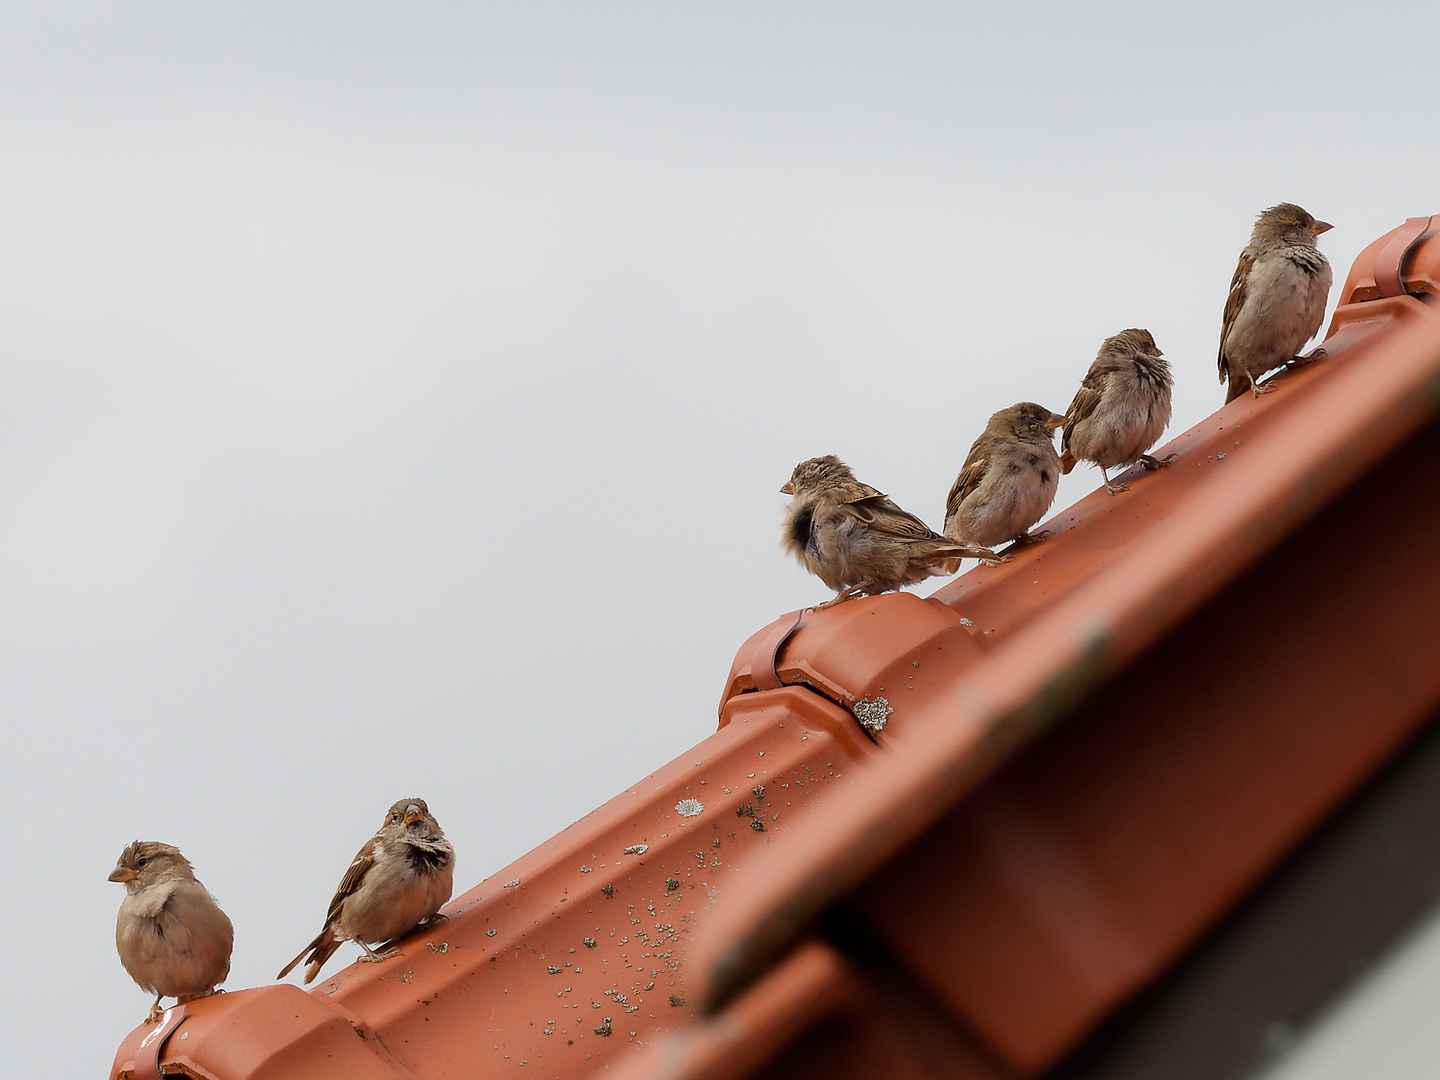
(375, 958)
(1317, 353)
(1115, 487)
(1256, 389)
(997, 560)
(1153, 463)
(1026, 538)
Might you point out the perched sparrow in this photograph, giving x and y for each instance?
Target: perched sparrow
(398, 879)
(1008, 480)
(1121, 409)
(1277, 298)
(172, 937)
(855, 539)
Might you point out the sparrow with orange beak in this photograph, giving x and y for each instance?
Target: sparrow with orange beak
(1277, 298)
(1008, 480)
(172, 937)
(400, 878)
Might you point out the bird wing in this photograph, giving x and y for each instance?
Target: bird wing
(1084, 402)
(884, 517)
(193, 923)
(853, 491)
(968, 480)
(325, 943)
(364, 860)
(1233, 303)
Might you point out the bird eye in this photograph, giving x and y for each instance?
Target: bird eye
(142, 860)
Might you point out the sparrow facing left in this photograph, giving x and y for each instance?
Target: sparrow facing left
(1121, 409)
(855, 540)
(400, 878)
(1277, 298)
(172, 937)
(1008, 480)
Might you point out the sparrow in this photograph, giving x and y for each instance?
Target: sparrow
(855, 540)
(172, 937)
(1121, 409)
(1277, 298)
(1008, 480)
(398, 879)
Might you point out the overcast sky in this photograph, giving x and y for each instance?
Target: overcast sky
(395, 398)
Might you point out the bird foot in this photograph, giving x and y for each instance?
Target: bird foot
(1153, 463)
(371, 957)
(1317, 353)
(436, 919)
(156, 1012)
(1256, 389)
(1114, 487)
(862, 589)
(1027, 538)
(996, 560)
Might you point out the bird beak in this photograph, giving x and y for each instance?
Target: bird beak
(1319, 227)
(122, 874)
(788, 488)
(413, 814)
(1057, 420)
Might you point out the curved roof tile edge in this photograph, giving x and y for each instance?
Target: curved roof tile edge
(1381, 381)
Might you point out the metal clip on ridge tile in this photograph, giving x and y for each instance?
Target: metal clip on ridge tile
(764, 665)
(147, 1056)
(1390, 263)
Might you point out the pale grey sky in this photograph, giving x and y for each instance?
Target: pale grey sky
(395, 396)
(1383, 1026)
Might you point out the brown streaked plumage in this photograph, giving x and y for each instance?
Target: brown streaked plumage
(1008, 480)
(1277, 298)
(1121, 409)
(399, 879)
(172, 937)
(856, 540)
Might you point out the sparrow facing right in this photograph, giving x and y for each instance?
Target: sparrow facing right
(400, 878)
(172, 937)
(855, 540)
(1277, 298)
(1121, 409)
(1008, 480)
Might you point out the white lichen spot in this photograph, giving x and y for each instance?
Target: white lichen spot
(966, 622)
(637, 849)
(689, 807)
(511, 884)
(872, 714)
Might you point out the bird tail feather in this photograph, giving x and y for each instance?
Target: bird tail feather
(1067, 462)
(957, 550)
(320, 950)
